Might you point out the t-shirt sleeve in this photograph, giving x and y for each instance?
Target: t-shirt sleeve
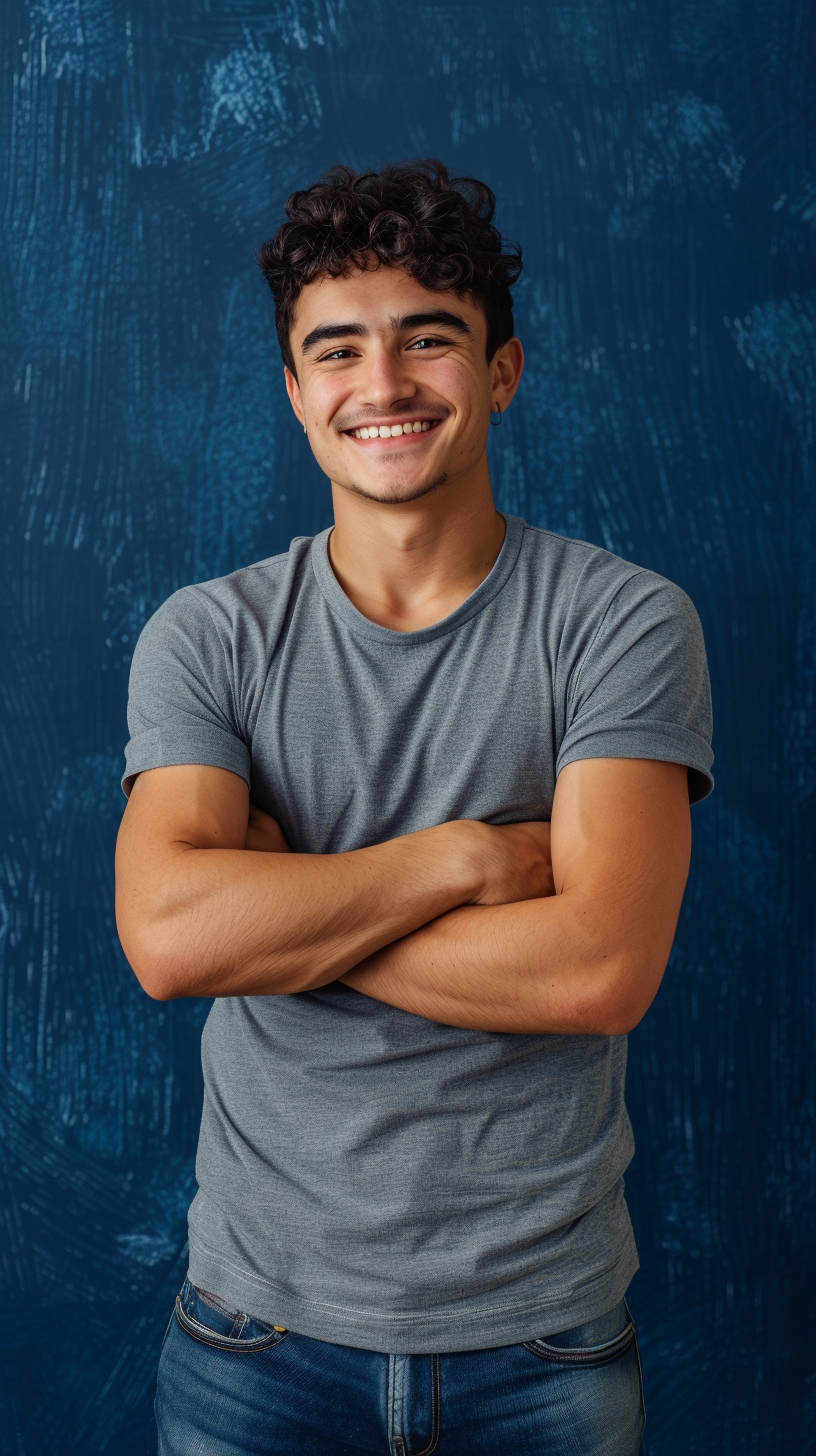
(181, 703)
(641, 687)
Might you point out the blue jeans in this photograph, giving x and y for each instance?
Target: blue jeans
(231, 1386)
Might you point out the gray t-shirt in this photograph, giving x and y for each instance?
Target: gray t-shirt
(366, 1176)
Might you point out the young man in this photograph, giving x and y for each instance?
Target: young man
(411, 802)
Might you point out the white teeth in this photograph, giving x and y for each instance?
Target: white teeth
(388, 432)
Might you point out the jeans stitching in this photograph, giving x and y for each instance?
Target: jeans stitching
(204, 1336)
(239, 1320)
(593, 1354)
(640, 1373)
(437, 1407)
(395, 1439)
(167, 1331)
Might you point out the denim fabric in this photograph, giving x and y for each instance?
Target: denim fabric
(232, 1386)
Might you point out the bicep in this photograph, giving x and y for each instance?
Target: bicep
(188, 806)
(621, 844)
(170, 812)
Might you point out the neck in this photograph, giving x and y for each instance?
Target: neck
(409, 565)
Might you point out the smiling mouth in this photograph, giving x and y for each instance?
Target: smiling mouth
(390, 432)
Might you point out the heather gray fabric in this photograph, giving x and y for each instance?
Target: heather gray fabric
(366, 1176)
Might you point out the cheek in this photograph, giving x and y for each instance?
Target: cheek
(462, 384)
(321, 400)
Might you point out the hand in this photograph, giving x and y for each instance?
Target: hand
(264, 833)
(515, 863)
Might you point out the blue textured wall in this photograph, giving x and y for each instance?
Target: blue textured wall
(657, 160)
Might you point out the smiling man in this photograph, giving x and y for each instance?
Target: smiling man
(411, 802)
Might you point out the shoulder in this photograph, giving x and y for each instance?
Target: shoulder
(247, 604)
(579, 563)
(589, 582)
(254, 590)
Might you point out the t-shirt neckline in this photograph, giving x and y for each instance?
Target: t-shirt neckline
(485, 592)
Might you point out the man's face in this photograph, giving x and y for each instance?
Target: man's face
(392, 383)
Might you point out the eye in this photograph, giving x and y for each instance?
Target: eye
(336, 354)
(428, 343)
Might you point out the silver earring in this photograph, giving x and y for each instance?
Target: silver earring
(305, 430)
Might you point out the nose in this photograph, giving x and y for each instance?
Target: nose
(385, 381)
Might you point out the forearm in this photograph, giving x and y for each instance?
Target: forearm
(219, 922)
(588, 959)
(542, 966)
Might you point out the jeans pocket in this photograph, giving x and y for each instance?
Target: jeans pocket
(598, 1342)
(212, 1323)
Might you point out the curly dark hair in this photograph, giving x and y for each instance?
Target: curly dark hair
(412, 215)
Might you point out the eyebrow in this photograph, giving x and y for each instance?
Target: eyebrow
(426, 320)
(324, 333)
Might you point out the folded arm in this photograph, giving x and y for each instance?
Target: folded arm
(588, 959)
(457, 923)
(201, 914)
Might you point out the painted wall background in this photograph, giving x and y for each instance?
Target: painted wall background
(657, 159)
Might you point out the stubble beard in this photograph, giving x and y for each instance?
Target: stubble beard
(402, 496)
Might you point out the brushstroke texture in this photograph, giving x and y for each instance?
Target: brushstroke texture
(656, 159)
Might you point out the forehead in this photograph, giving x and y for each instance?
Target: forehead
(375, 297)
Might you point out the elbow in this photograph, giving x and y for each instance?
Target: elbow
(169, 966)
(618, 1021)
(158, 970)
(619, 997)
(158, 986)
(160, 981)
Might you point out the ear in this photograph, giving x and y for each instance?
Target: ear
(506, 368)
(293, 391)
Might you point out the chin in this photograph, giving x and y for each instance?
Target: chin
(398, 492)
